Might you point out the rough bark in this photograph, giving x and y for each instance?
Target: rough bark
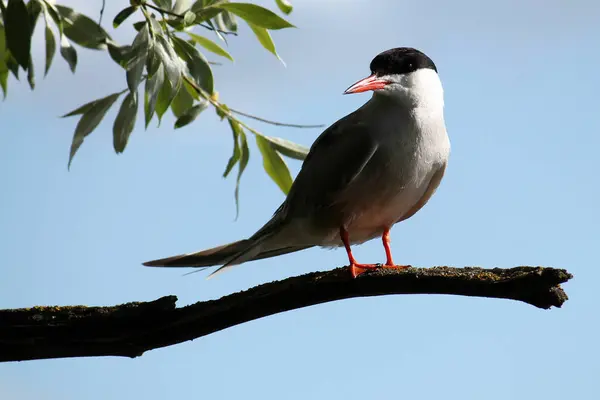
(130, 329)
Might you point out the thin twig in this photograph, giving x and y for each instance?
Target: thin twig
(210, 28)
(102, 12)
(229, 112)
(268, 121)
(218, 105)
(160, 10)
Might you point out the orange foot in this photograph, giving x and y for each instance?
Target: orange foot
(357, 269)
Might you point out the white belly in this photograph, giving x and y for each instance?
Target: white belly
(373, 221)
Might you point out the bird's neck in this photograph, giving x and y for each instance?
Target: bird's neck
(409, 104)
(420, 91)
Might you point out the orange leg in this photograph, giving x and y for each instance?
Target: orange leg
(385, 238)
(389, 263)
(355, 268)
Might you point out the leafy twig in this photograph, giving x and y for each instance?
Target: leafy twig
(167, 12)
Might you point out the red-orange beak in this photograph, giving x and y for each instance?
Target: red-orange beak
(371, 82)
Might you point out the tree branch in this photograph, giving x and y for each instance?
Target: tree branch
(130, 329)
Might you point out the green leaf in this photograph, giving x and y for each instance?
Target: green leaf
(50, 49)
(198, 5)
(287, 148)
(153, 86)
(203, 12)
(226, 21)
(138, 25)
(181, 102)
(190, 114)
(235, 156)
(92, 115)
(3, 67)
(18, 31)
(156, 28)
(120, 54)
(210, 45)
(4, 53)
(163, 100)
(12, 65)
(244, 157)
(3, 50)
(82, 30)
(81, 109)
(189, 18)
(181, 6)
(163, 4)
(4, 79)
(256, 15)
(139, 54)
(240, 156)
(222, 111)
(68, 53)
(139, 48)
(192, 90)
(123, 15)
(152, 63)
(198, 66)
(7, 61)
(207, 14)
(274, 165)
(174, 66)
(34, 8)
(264, 38)
(88, 106)
(285, 6)
(125, 122)
(31, 74)
(176, 23)
(53, 12)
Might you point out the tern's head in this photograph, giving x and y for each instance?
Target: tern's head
(404, 73)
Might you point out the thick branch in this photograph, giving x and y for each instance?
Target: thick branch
(131, 329)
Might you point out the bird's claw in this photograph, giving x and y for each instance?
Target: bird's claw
(358, 269)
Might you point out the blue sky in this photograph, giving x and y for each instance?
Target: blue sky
(521, 88)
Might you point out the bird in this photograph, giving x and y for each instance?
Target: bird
(371, 169)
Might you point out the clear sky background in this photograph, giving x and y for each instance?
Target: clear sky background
(521, 83)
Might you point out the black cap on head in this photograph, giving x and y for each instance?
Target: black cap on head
(401, 60)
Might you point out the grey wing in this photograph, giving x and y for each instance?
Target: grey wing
(334, 161)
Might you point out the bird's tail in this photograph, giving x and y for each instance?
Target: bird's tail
(226, 255)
